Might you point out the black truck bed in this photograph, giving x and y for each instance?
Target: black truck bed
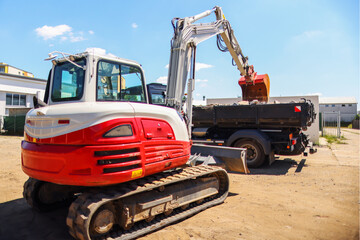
(277, 115)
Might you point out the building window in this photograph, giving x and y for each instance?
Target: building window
(15, 99)
(23, 100)
(8, 99)
(326, 105)
(2, 69)
(333, 105)
(343, 105)
(350, 105)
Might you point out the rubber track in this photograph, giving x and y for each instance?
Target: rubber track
(29, 187)
(82, 209)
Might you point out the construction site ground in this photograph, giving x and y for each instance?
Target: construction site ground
(314, 197)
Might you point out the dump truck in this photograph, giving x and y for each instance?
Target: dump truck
(263, 129)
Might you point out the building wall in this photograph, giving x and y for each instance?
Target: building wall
(16, 84)
(16, 71)
(347, 111)
(312, 131)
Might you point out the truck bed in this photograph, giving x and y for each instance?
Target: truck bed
(277, 115)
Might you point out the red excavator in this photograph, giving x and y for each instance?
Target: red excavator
(124, 164)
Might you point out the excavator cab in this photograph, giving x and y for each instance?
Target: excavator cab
(256, 89)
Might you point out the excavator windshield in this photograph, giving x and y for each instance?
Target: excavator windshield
(68, 81)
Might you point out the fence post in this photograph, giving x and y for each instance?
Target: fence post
(15, 124)
(323, 125)
(339, 125)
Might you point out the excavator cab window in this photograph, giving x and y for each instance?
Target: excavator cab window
(119, 82)
(68, 83)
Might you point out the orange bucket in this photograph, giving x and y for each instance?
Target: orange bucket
(257, 89)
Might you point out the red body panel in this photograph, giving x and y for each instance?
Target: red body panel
(86, 158)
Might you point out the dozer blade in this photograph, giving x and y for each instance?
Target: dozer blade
(232, 159)
(257, 89)
(236, 164)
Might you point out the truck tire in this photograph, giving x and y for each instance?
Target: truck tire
(255, 156)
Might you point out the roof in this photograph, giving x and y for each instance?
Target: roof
(337, 100)
(110, 57)
(5, 64)
(23, 77)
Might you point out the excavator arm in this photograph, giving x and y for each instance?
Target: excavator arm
(254, 87)
(187, 35)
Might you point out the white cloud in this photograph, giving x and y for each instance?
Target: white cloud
(61, 32)
(134, 25)
(198, 66)
(49, 32)
(162, 80)
(201, 80)
(99, 51)
(77, 39)
(200, 83)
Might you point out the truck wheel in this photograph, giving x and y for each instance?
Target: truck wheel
(255, 156)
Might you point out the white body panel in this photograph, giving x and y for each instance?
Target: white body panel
(44, 121)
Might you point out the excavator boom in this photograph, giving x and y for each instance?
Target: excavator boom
(253, 86)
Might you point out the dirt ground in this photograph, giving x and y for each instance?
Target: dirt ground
(314, 197)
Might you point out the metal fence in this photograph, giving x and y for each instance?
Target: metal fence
(331, 123)
(14, 125)
(355, 124)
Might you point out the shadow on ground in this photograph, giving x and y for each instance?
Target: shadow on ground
(19, 221)
(279, 167)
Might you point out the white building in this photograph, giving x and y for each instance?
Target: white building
(17, 92)
(312, 131)
(346, 106)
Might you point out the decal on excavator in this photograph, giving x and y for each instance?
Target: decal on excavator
(136, 173)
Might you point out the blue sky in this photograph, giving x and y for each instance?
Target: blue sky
(306, 47)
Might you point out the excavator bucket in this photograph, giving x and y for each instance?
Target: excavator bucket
(255, 89)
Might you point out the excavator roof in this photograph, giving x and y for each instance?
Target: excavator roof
(109, 57)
